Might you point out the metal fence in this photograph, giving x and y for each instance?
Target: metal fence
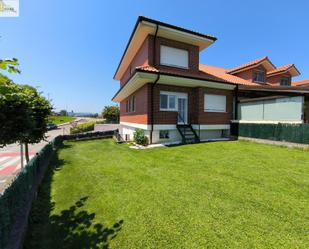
(295, 133)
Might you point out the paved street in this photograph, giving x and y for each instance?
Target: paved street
(10, 160)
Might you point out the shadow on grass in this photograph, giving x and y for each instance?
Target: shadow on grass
(71, 228)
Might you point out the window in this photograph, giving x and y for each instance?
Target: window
(259, 76)
(285, 81)
(133, 104)
(127, 106)
(167, 102)
(214, 103)
(164, 134)
(174, 57)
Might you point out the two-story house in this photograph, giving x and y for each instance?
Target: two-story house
(167, 92)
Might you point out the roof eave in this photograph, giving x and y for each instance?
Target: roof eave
(154, 23)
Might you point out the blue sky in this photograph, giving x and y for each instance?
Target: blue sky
(70, 49)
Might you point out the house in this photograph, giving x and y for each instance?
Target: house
(166, 91)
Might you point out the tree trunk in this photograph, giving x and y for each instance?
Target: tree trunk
(27, 152)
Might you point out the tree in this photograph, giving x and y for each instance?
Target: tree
(24, 111)
(111, 114)
(39, 109)
(13, 116)
(63, 113)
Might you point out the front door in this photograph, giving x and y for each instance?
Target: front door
(182, 111)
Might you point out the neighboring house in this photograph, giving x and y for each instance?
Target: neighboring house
(167, 92)
(301, 83)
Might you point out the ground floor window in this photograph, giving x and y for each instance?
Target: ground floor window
(167, 101)
(214, 103)
(164, 134)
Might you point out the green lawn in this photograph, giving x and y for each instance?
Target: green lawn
(60, 119)
(211, 195)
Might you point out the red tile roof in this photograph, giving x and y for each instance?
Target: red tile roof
(246, 65)
(222, 74)
(301, 83)
(199, 75)
(205, 73)
(281, 69)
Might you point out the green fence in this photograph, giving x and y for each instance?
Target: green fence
(21, 192)
(296, 133)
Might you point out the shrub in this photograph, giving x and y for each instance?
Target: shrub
(139, 137)
(82, 128)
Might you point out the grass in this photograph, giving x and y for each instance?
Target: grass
(213, 195)
(60, 119)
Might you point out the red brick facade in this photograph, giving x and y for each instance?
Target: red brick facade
(196, 114)
(276, 79)
(144, 56)
(140, 115)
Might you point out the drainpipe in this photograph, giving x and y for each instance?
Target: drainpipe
(236, 102)
(153, 84)
(236, 125)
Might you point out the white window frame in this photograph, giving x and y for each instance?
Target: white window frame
(174, 52)
(207, 109)
(177, 96)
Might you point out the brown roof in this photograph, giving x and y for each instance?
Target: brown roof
(248, 64)
(301, 83)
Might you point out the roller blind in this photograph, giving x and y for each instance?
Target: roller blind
(214, 103)
(174, 57)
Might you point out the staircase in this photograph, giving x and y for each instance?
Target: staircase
(188, 134)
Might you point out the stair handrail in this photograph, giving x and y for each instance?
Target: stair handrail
(181, 120)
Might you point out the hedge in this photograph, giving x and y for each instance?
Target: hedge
(20, 194)
(83, 128)
(17, 196)
(296, 133)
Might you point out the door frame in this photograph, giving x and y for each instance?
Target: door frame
(185, 121)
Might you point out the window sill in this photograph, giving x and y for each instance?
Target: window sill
(174, 66)
(168, 110)
(214, 111)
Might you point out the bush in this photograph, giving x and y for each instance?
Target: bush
(139, 137)
(83, 128)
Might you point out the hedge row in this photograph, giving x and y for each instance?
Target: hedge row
(16, 197)
(296, 133)
(83, 128)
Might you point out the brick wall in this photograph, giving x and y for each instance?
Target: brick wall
(276, 79)
(140, 115)
(196, 114)
(193, 54)
(214, 117)
(248, 74)
(141, 58)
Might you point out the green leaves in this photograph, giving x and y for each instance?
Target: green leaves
(10, 65)
(24, 111)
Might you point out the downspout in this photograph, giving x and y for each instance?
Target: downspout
(236, 125)
(236, 103)
(154, 83)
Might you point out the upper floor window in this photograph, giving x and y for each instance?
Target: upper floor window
(285, 81)
(174, 57)
(214, 103)
(259, 76)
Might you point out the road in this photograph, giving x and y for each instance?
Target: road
(10, 160)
